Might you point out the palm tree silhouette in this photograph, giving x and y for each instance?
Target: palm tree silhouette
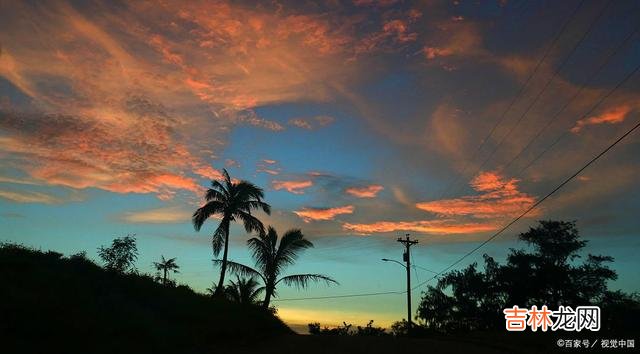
(272, 258)
(244, 290)
(166, 265)
(234, 200)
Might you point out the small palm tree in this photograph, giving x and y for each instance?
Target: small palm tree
(234, 201)
(272, 258)
(166, 265)
(244, 290)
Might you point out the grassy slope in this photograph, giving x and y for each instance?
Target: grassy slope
(54, 304)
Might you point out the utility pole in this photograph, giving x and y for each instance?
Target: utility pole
(407, 242)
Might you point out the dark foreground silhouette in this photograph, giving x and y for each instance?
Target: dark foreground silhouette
(54, 304)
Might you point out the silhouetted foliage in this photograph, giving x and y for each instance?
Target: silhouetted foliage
(244, 290)
(470, 299)
(121, 255)
(271, 258)
(346, 330)
(399, 328)
(54, 304)
(341, 330)
(165, 266)
(370, 330)
(234, 201)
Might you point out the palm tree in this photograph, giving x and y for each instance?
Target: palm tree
(272, 258)
(244, 290)
(166, 265)
(234, 201)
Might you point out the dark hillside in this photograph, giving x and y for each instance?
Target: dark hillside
(50, 303)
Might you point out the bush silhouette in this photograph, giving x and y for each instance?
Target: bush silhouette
(471, 299)
(121, 256)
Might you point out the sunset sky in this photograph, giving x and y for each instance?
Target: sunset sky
(361, 120)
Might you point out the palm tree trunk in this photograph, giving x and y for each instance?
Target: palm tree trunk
(164, 278)
(223, 270)
(267, 297)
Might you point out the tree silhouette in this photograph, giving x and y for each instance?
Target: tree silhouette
(272, 258)
(121, 256)
(234, 201)
(165, 266)
(470, 299)
(244, 291)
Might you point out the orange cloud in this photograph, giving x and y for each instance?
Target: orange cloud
(394, 32)
(612, 116)
(269, 171)
(442, 227)
(310, 214)
(267, 166)
(295, 187)
(121, 155)
(364, 192)
(501, 198)
(433, 52)
(457, 38)
(208, 172)
(311, 123)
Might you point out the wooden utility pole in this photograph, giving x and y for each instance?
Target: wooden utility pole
(407, 242)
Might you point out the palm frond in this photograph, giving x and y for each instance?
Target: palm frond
(260, 253)
(217, 185)
(256, 293)
(227, 181)
(291, 244)
(239, 268)
(204, 212)
(215, 194)
(250, 222)
(218, 238)
(248, 191)
(301, 281)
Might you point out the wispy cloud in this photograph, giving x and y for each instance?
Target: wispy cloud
(295, 187)
(268, 166)
(311, 123)
(611, 116)
(312, 214)
(164, 215)
(443, 227)
(364, 192)
(34, 197)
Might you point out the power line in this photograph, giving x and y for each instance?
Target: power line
(564, 133)
(550, 121)
(342, 296)
(498, 233)
(425, 269)
(515, 98)
(557, 188)
(546, 86)
(532, 207)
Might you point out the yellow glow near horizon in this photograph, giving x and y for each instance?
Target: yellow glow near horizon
(332, 318)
